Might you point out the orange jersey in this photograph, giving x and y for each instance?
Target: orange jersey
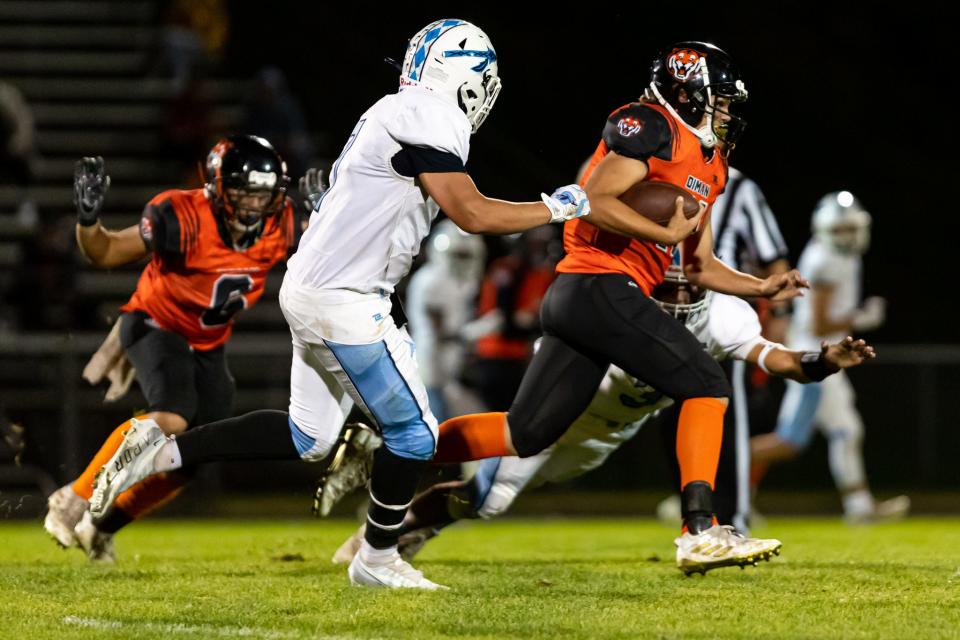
(673, 154)
(196, 281)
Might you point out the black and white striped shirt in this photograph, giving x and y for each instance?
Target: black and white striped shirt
(745, 232)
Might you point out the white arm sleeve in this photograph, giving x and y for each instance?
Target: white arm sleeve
(733, 327)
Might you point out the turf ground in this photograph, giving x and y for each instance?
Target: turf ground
(510, 578)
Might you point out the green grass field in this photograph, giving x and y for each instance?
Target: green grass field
(511, 578)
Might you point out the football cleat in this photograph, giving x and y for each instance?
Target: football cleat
(393, 573)
(96, 544)
(132, 462)
(349, 470)
(64, 510)
(886, 511)
(721, 546)
(350, 548)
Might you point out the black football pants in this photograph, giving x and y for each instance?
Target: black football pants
(590, 321)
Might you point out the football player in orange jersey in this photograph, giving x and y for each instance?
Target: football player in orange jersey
(598, 310)
(211, 251)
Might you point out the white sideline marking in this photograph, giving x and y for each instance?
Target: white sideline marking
(205, 630)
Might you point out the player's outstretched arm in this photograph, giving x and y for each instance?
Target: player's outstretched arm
(705, 270)
(473, 212)
(610, 179)
(101, 247)
(811, 366)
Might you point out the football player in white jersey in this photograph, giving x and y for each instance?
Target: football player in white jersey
(440, 302)
(832, 261)
(727, 326)
(403, 162)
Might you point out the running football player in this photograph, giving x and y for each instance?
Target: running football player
(598, 311)
(726, 326)
(403, 161)
(833, 260)
(211, 250)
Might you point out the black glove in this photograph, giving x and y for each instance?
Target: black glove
(312, 188)
(90, 185)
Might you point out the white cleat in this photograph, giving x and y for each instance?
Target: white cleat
(721, 546)
(64, 510)
(132, 462)
(97, 544)
(393, 573)
(350, 547)
(349, 470)
(887, 511)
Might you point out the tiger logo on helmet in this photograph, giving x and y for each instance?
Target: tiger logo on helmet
(684, 63)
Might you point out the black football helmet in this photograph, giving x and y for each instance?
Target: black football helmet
(246, 180)
(703, 72)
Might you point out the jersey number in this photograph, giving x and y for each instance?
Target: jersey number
(227, 300)
(336, 164)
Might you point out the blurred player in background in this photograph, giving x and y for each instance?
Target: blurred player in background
(440, 302)
(210, 249)
(833, 262)
(598, 311)
(726, 326)
(746, 238)
(509, 316)
(404, 161)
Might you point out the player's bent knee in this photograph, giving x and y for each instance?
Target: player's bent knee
(527, 443)
(414, 440)
(312, 443)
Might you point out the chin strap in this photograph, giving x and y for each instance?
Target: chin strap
(706, 136)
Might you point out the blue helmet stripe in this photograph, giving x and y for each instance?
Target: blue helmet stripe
(489, 56)
(434, 31)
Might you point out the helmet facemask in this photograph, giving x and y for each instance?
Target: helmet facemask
(678, 297)
(477, 107)
(245, 206)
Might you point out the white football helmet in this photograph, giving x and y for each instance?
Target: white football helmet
(461, 253)
(841, 222)
(676, 295)
(456, 60)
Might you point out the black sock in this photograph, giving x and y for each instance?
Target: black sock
(393, 483)
(258, 435)
(115, 520)
(696, 505)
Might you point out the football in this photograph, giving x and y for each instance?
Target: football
(655, 200)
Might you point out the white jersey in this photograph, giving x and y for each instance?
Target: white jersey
(729, 328)
(821, 264)
(370, 223)
(433, 288)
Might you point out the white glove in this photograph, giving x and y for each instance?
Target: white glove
(871, 315)
(567, 203)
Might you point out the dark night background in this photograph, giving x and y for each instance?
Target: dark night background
(854, 99)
